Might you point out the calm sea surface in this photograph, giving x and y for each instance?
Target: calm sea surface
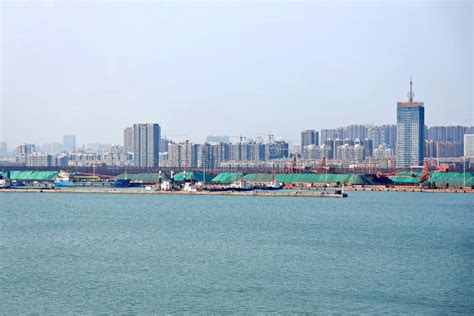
(371, 253)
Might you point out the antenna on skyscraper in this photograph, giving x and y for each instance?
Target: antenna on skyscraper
(411, 94)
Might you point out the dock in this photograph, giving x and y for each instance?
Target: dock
(282, 193)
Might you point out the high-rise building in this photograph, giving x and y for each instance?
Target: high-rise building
(469, 145)
(390, 135)
(25, 149)
(277, 150)
(348, 152)
(215, 153)
(447, 133)
(183, 155)
(164, 143)
(38, 160)
(314, 152)
(69, 142)
(331, 134)
(410, 131)
(442, 148)
(367, 144)
(146, 145)
(309, 137)
(128, 139)
(383, 134)
(355, 132)
(382, 151)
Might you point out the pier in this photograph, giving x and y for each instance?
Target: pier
(282, 193)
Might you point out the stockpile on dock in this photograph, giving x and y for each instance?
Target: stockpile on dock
(451, 179)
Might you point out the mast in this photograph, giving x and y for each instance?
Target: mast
(411, 94)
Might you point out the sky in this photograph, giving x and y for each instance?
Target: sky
(92, 68)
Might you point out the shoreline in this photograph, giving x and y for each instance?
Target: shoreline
(225, 193)
(298, 192)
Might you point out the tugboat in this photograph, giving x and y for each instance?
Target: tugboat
(274, 185)
(241, 186)
(63, 180)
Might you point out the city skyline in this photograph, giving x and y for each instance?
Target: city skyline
(373, 132)
(93, 84)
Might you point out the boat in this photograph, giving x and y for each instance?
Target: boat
(121, 183)
(189, 188)
(241, 186)
(218, 188)
(15, 184)
(273, 186)
(63, 180)
(5, 183)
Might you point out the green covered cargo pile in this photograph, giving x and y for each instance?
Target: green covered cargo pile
(404, 180)
(348, 179)
(197, 176)
(32, 175)
(406, 177)
(450, 179)
(227, 177)
(143, 177)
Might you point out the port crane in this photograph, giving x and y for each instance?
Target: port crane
(425, 173)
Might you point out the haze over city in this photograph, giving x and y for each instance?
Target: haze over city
(93, 68)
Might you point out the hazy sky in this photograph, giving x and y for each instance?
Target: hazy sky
(91, 68)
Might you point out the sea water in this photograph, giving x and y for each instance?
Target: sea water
(374, 252)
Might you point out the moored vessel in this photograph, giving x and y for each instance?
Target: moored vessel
(63, 180)
(121, 183)
(4, 183)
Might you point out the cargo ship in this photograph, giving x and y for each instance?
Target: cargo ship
(63, 180)
(121, 183)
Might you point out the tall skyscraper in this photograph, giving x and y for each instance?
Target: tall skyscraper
(309, 137)
(128, 139)
(146, 145)
(69, 142)
(410, 131)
